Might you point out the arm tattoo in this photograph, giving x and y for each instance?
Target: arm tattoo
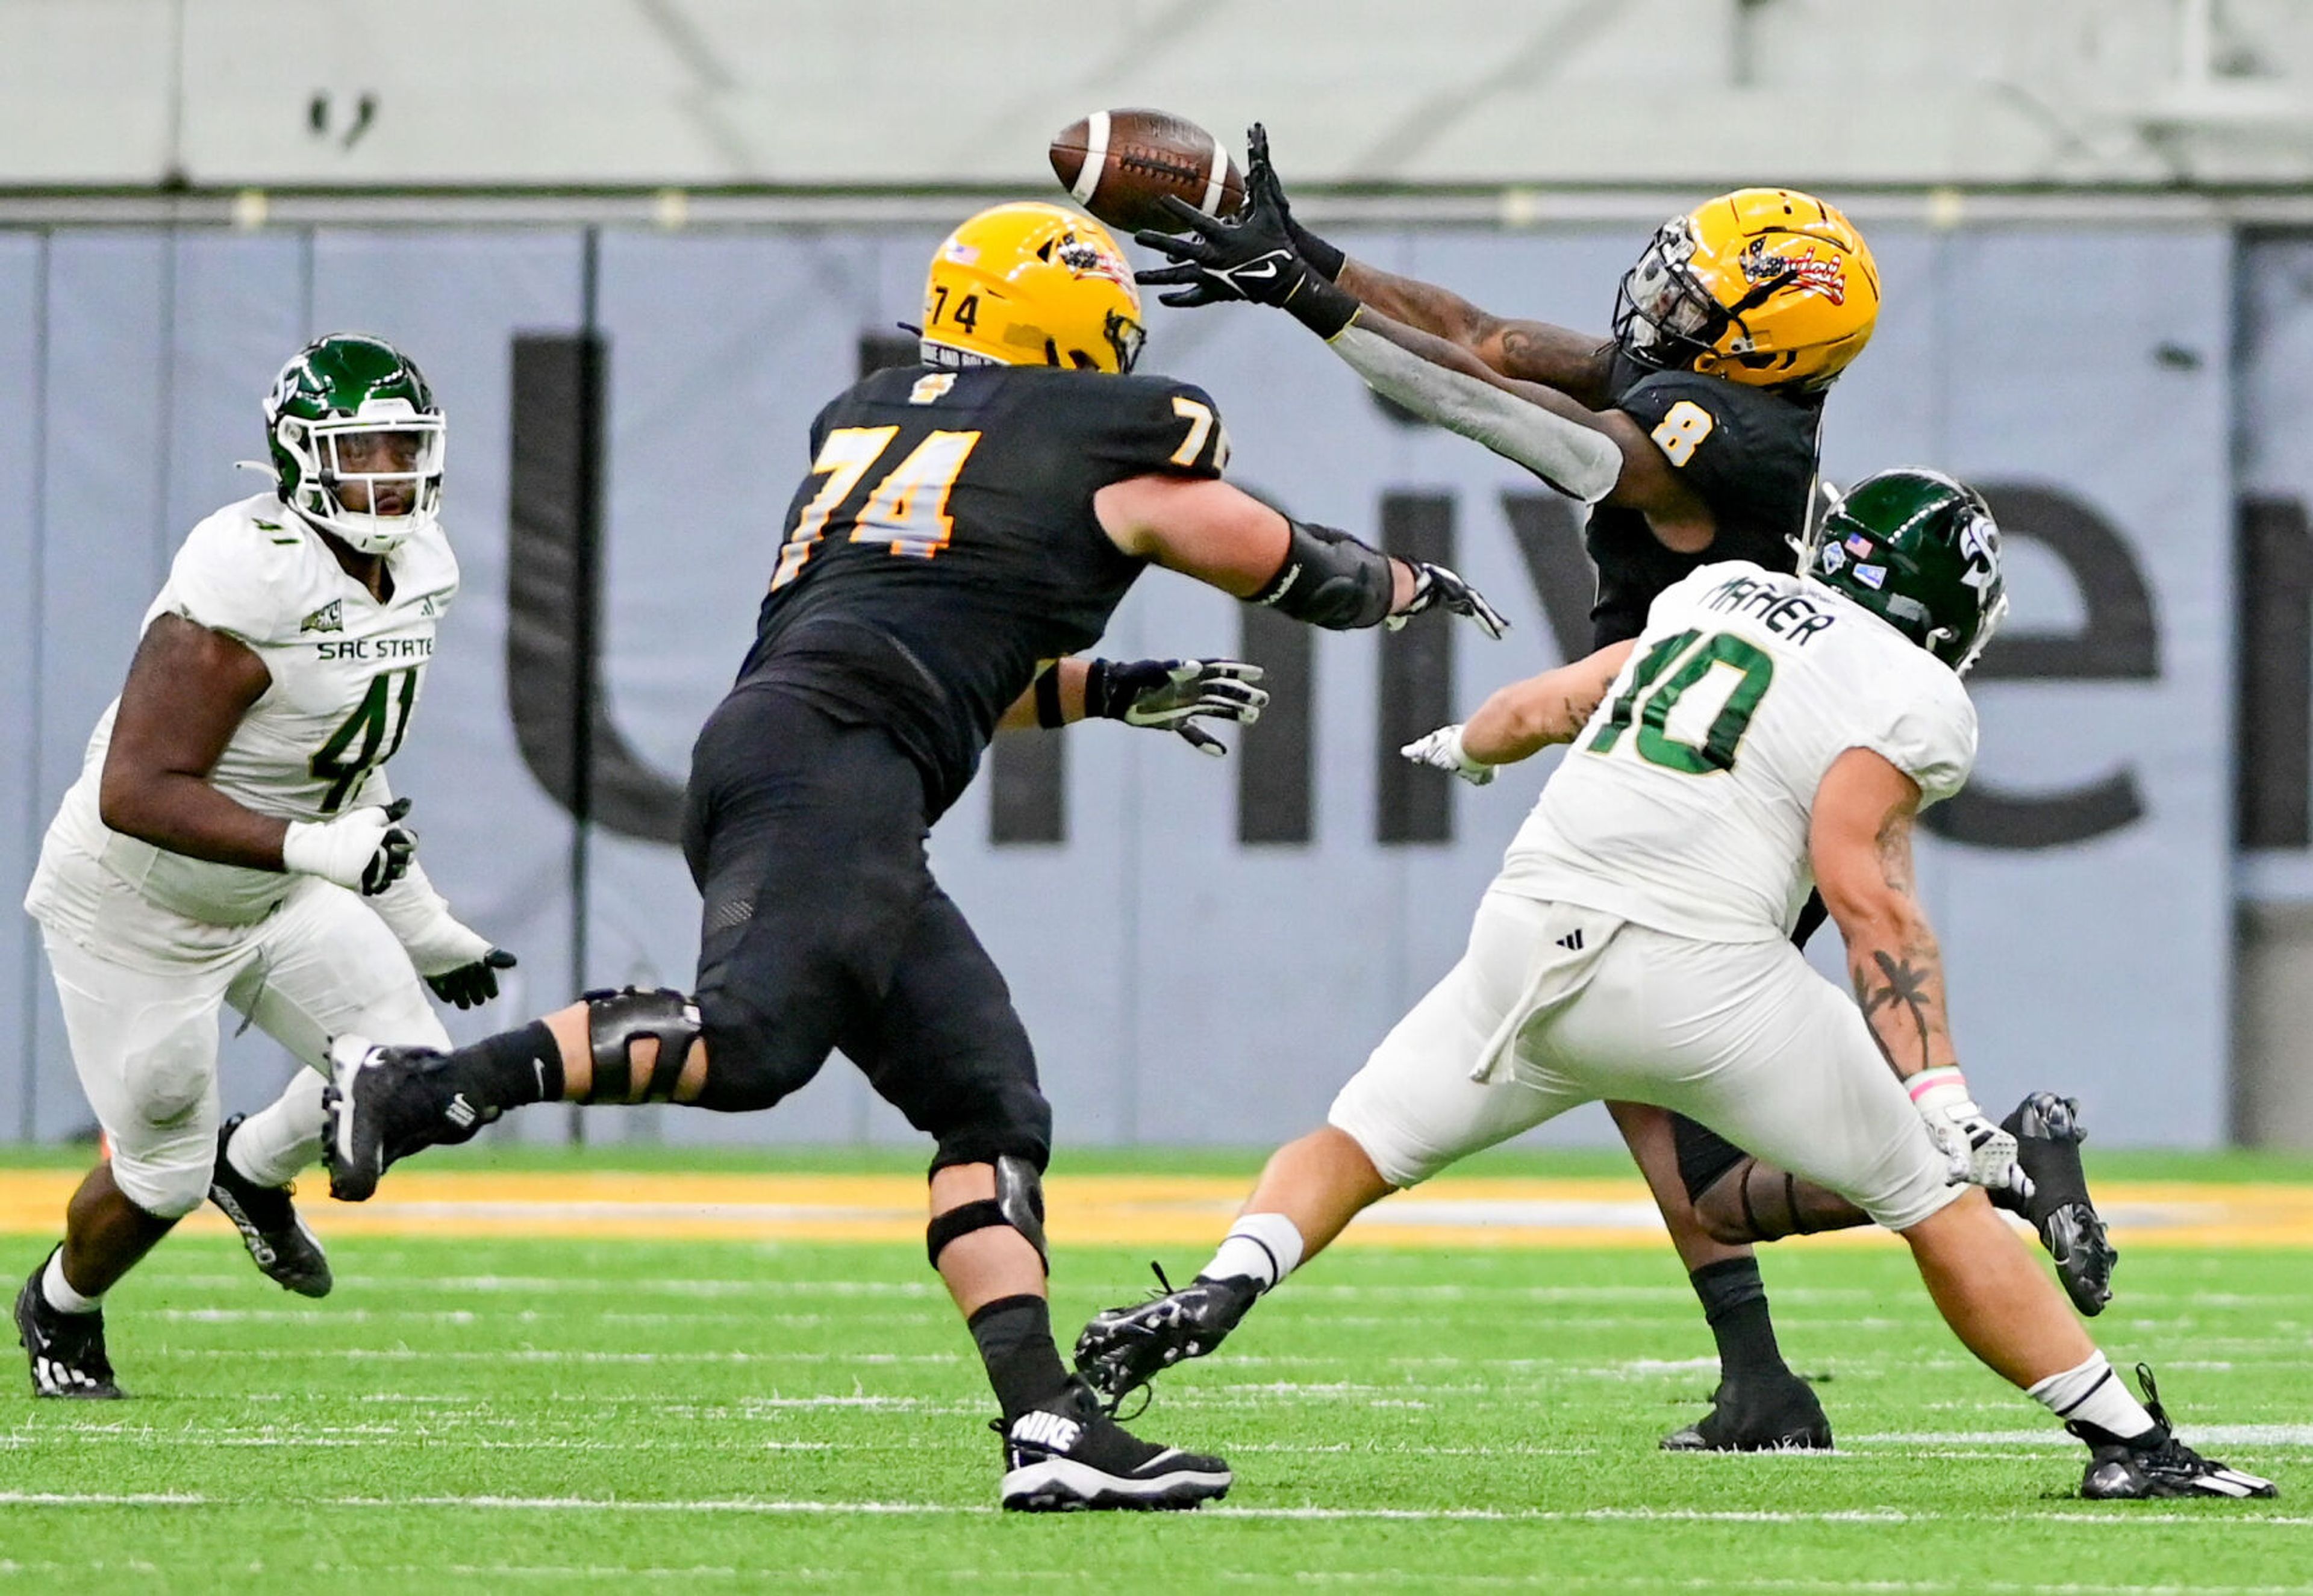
(1903, 983)
(1902, 980)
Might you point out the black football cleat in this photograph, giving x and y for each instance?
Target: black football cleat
(1123, 1349)
(1071, 1456)
(2048, 1136)
(2157, 1465)
(66, 1350)
(1776, 1414)
(269, 1224)
(385, 1104)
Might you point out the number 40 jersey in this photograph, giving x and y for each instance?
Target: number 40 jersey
(944, 544)
(1684, 804)
(347, 671)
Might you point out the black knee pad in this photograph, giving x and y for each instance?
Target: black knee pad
(1018, 1205)
(616, 1020)
(1704, 1156)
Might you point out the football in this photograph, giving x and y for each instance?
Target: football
(1119, 165)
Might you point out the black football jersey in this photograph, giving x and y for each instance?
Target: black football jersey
(1750, 453)
(944, 544)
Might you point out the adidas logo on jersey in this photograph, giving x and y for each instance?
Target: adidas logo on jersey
(1049, 1431)
(1572, 941)
(329, 617)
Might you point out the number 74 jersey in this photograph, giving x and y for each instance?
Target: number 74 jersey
(1685, 803)
(347, 673)
(944, 541)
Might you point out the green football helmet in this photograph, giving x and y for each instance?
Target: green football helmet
(353, 411)
(1921, 552)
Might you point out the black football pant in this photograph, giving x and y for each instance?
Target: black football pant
(823, 928)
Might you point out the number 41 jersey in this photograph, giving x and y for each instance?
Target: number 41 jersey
(944, 544)
(347, 671)
(1684, 804)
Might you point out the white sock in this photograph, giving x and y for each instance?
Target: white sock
(60, 1294)
(1264, 1248)
(2092, 1394)
(276, 1144)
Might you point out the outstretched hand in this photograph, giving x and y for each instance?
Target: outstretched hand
(1437, 588)
(1174, 695)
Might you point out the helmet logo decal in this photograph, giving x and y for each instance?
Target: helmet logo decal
(1809, 272)
(1086, 259)
(1874, 577)
(1980, 542)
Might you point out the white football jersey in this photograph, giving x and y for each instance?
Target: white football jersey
(1684, 804)
(346, 675)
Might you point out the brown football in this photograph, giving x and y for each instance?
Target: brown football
(1119, 163)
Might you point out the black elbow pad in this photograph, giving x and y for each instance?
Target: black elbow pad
(1330, 580)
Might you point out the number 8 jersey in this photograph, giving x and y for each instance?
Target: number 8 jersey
(1684, 804)
(347, 673)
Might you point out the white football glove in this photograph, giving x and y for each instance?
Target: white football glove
(1442, 750)
(364, 850)
(1977, 1152)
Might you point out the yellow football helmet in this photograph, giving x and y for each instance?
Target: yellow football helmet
(1768, 286)
(1031, 285)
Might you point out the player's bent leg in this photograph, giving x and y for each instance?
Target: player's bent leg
(945, 1047)
(1426, 1097)
(1307, 1194)
(1759, 1404)
(386, 1103)
(328, 966)
(2004, 1310)
(143, 1045)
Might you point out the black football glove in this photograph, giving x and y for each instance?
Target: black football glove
(1260, 180)
(395, 849)
(1173, 695)
(1437, 588)
(471, 986)
(1251, 257)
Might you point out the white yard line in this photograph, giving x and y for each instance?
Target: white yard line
(2100, 1518)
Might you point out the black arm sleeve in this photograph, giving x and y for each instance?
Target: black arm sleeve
(1330, 579)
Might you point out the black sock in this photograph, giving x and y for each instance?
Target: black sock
(1014, 1336)
(1734, 1302)
(507, 1070)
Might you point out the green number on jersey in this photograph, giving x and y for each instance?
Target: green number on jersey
(368, 724)
(1651, 709)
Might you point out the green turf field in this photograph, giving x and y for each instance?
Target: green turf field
(524, 1415)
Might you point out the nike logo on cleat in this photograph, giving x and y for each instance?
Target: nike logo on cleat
(1047, 1430)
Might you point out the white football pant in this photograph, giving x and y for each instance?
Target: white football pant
(144, 1040)
(1553, 1007)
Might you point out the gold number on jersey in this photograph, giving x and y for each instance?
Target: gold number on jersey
(909, 508)
(1683, 430)
(1200, 417)
(842, 460)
